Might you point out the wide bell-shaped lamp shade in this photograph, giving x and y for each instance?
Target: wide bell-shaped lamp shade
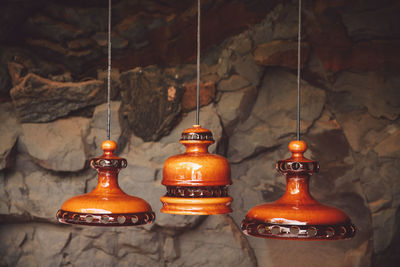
(107, 204)
(297, 215)
(197, 181)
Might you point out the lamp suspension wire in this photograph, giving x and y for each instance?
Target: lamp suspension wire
(198, 66)
(109, 73)
(298, 72)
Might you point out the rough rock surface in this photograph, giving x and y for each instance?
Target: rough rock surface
(10, 130)
(56, 145)
(350, 121)
(30, 193)
(235, 82)
(281, 53)
(271, 120)
(235, 107)
(379, 94)
(207, 94)
(37, 99)
(149, 89)
(227, 240)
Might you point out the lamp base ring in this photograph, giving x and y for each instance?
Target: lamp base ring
(298, 232)
(110, 219)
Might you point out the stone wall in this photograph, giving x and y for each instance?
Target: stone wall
(52, 91)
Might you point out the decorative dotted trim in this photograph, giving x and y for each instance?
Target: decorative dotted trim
(98, 163)
(128, 219)
(197, 191)
(294, 166)
(301, 232)
(197, 136)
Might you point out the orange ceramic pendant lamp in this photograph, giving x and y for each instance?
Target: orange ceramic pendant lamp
(196, 180)
(107, 204)
(297, 215)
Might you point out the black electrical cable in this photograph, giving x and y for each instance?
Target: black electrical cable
(198, 66)
(298, 72)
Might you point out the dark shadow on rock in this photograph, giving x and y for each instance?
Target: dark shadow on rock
(151, 102)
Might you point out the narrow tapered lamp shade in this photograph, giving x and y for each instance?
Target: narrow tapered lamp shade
(297, 215)
(197, 181)
(107, 204)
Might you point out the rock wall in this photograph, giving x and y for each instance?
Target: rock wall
(52, 91)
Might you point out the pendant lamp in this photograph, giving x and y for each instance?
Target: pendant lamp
(107, 204)
(197, 181)
(297, 215)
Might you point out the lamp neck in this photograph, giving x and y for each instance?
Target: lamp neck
(108, 180)
(297, 189)
(196, 147)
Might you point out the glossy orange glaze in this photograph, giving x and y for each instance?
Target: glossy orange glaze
(297, 206)
(196, 167)
(107, 197)
(196, 206)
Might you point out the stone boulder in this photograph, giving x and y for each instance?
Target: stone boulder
(39, 194)
(217, 233)
(37, 99)
(13, 238)
(273, 115)
(151, 102)
(234, 107)
(281, 53)
(10, 130)
(246, 67)
(378, 93)
(56, 145)
(46, 27)
(357, 134)
(233, 83)
(207, 95)
(363, 22)
(389, 147)
(285, 22)
(20, 62)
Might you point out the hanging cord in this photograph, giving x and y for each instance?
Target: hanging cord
(109, 73)
(298, 72)
(198, 66)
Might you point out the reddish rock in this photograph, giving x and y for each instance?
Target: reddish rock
(329, 40)
(118, 42)
(367, 56)
(15, 70)
(46, 44)
(374, 55)
(207, 94)
(327, 36)
(168, 46)
(81, 43)
(281, 53)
